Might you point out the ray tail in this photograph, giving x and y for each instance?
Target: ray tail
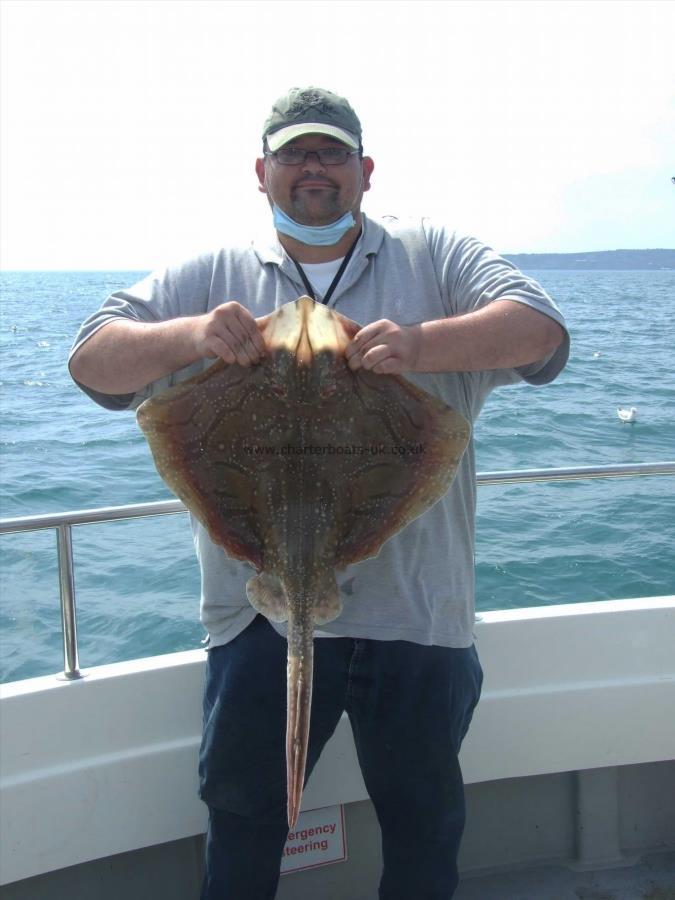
(300, 667)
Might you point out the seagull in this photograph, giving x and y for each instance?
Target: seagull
(627, 415)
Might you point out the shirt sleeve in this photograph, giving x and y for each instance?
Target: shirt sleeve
(181, 291)
(472, 275)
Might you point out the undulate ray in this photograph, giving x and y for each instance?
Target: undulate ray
(300, 466)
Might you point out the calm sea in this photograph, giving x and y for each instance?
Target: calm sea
(138, 584)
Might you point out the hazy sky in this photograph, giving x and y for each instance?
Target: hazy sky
(130, 129)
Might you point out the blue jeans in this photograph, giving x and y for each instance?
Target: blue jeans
(409, 706)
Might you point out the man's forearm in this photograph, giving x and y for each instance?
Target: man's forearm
(124, 356)
(503, 335)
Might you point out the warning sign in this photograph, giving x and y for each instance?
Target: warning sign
(317, 839)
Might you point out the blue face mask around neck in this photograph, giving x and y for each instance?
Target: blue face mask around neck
(318, 235)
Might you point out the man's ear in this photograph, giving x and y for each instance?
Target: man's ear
(367, 167)
(260, 172)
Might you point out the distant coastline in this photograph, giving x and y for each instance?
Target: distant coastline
(652, 260)
(600, 259)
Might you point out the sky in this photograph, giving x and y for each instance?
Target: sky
(129, 129)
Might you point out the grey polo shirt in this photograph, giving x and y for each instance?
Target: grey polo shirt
(421, 585)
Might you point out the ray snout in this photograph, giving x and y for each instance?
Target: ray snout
(305, 329)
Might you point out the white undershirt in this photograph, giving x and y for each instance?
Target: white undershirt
(321, 275)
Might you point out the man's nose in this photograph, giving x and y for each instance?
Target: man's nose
(312, 162)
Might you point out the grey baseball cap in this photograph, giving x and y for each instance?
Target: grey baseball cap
(311, 110)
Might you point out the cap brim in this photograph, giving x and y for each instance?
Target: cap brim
(284, 135)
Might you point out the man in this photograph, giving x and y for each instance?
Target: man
(450, 314)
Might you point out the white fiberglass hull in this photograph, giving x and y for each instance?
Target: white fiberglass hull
(108, 764)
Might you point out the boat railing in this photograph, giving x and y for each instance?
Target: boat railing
(63, 523)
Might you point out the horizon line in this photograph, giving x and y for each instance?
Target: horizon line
(504, 253)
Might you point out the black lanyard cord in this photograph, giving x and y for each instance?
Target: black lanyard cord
(338, 275)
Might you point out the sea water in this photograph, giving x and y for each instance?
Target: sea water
(137, 582)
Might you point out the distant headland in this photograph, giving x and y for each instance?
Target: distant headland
(600, 259)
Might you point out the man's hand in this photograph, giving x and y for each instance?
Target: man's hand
(230, 332)
(385, 347)
(125, 355)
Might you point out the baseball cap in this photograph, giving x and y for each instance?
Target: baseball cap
(311, 110)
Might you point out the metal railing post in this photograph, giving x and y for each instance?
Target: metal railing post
(64, 544)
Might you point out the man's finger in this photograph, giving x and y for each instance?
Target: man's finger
(376, 356)
(242, 346)
(251, 331)
(362, 341)
(217, 347)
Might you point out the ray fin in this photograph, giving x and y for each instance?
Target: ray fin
(328, 603)
(266, 595)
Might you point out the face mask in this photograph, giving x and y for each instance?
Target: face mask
(319, 235)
